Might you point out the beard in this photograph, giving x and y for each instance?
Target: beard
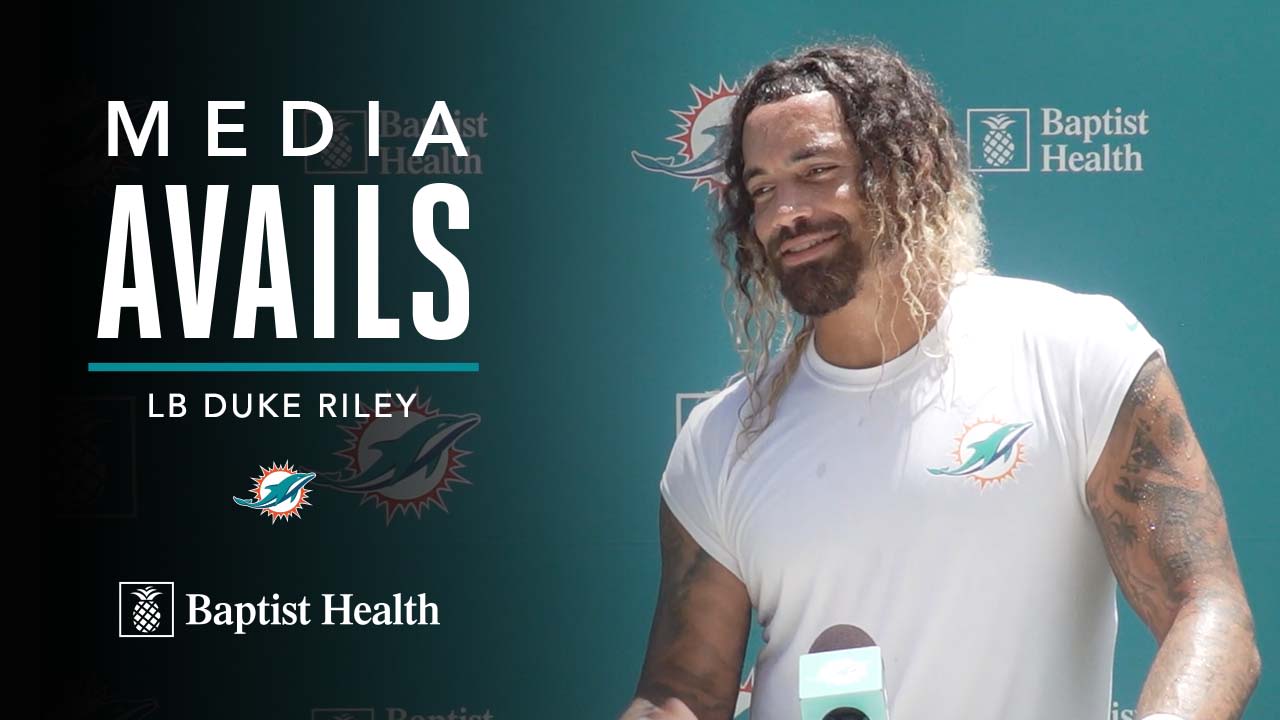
(820, 286)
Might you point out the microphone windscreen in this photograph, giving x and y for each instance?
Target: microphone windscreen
(841, 637)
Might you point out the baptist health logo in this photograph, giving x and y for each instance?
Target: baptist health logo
(348, 150)
(1000, 140)
(145, 609)
(1003, 139)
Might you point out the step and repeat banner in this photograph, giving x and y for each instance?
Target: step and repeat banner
(354, 407)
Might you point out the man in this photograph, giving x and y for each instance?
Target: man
(960, 464)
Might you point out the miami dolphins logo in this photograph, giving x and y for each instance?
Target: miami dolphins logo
(280, 492)
(987, 451)
(703, 131)
(403, 463)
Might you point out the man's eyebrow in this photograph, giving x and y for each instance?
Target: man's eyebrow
(812, 149)
(803, 153)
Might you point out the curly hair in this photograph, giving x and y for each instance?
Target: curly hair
(921, 200)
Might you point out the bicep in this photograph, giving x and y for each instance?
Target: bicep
(1157, 505)
(700, 627)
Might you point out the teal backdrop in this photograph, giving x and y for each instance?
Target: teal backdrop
(595, 306)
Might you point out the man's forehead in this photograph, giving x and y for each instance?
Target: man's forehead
(808, 120)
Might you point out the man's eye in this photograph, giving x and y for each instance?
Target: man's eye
(821, 169)
(760, 191)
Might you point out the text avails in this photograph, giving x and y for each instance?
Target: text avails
(265, 230)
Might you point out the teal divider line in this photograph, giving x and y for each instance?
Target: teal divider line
(276, 367)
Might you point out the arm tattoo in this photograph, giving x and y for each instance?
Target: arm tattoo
(700, 628)
(684, 562)
(1161, 518)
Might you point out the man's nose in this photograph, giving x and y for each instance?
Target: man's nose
(790, 212)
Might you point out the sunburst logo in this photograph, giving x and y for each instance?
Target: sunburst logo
(404, 463)
(279, 491)
(989, 451)
(703, 131)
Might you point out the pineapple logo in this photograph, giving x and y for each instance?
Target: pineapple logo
(146, 614)
(997, 145)
(345, 154)
(146, 609)
(1005, 139)
(337, 155)
(89, 459)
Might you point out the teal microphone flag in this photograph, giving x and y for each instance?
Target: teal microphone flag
(843, 685)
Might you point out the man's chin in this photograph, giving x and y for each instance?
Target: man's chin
(817, 307)
(823, 285)
(818, 292)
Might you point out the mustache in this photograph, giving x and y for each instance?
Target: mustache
(804, 227)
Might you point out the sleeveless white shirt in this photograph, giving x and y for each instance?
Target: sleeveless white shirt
(936, 501)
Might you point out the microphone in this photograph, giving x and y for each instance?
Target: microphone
(842, 677)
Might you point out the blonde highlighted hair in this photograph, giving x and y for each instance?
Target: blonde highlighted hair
(921, 201)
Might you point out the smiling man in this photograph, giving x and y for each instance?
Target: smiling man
(961, 464)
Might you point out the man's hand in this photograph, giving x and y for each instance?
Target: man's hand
(1160, 514)
(672, 709)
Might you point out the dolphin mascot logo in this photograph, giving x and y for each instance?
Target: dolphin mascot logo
(403, 463)
(421, 449)
(702, 134)
(706, 165)
(996, 447)
(283, 492)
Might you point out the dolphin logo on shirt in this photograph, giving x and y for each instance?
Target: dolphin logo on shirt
(998, 446)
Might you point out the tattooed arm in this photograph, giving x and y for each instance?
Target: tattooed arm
(1161, 518)
(699, 633)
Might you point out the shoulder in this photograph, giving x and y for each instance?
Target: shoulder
(1024, 297)
(1038, 311)
(719, 414)
(714, 426)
